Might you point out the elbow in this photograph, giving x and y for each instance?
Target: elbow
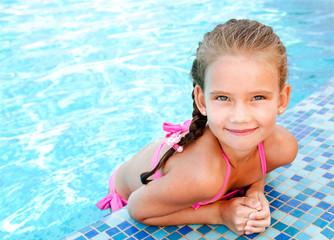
(134, 212)
(140, 215)
(135, 215)
(293, 150)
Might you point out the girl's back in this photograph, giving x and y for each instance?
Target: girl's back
(195, 162)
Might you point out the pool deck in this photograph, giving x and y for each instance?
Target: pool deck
(301, 195)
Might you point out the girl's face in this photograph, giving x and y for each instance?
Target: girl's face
(241, 100)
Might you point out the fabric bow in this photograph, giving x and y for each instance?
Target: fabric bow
(176, 128)
(111, 200)
(173, 133)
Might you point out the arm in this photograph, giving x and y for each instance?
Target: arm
(159, 202)
(233, 213)
(163, 203)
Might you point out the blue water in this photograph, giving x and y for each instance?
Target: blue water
(85, 84)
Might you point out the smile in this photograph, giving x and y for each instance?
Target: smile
(241, 132)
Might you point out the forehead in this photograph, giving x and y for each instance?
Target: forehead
(241, 71)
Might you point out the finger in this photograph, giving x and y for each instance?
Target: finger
(263, 200)
(259, 223)
(251, 230)
(243, 212)
(256, 226)
(251, 203)
(263, 214)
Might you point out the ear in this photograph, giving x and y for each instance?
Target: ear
(200, 100)
(284, 99)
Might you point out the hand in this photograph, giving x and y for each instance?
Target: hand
(260, 219)
(235, 213)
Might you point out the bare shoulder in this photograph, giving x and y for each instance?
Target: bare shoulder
(200, 169)
(281, 148)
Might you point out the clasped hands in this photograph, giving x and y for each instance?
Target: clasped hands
(246, 215)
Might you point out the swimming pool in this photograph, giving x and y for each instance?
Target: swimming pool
(84, 87)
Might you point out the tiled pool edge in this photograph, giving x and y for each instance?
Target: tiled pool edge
(301, 195)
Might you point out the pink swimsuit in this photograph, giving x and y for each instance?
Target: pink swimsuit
(115, 201)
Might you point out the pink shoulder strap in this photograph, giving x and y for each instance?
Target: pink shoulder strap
(228, 170)
(173, 133)
(262, 158)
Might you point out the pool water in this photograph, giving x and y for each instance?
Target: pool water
(86, 84)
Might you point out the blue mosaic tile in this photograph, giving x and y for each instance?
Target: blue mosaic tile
(301, 197)
(160, 234)
(120, 236)
(151, 229)
(308, 159)
(323, 205)
(274, 194)
(112, 231)
(131, 230)
(296, 178)
(326, 166)
(124, 225)
(221, 229)
(277, 203)
(327, 216)
(300, 224)
(319, 195)
(284, 198)
(81, 238)
(286, 208)
(103, 227)
(294, 202)
(204, 229)
(283, 236)
(303, 236)
(308, 218)
(91, 233)
(141, 235)
(328, 175)
(291, 231)
(320, 223)
(308, 191)
(280, 226)
(174, 235)
(171, 228)
(305, 207)
(85, 229)
(331, 210)
(297, 213)
(185, 230)
(328, 233)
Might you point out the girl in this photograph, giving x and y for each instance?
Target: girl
(228, 147)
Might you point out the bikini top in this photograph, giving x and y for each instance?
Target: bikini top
(173, 132)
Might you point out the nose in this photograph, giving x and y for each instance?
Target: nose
(240, 113)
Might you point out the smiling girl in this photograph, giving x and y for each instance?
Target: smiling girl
(213, 168)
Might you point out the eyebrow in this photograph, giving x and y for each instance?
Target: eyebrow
(257, 92)
(264, 92)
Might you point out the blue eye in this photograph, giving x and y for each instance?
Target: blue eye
(256, 98)
(222, 98)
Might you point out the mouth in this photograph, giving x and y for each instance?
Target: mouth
(241, 132)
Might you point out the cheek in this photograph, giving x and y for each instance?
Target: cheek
(266, 115)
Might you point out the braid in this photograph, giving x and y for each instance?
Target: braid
(196, 130)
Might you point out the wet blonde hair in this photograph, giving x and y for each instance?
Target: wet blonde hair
(233, 38)
(240, 38)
